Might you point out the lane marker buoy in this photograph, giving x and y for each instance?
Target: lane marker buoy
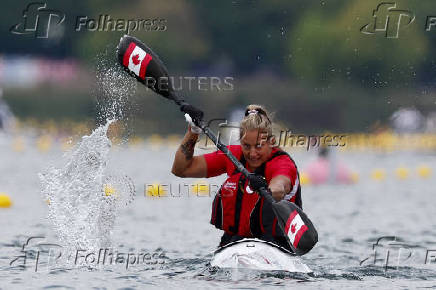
(5, 200)
(354, 177)
(18, 144)
(304, 178)
(109, 190)
(424, 171)
(402, 173)
(378, 174)
(44, 143)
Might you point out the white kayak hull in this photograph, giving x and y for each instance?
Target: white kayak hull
(258, 255)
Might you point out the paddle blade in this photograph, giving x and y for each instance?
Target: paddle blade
(299, 230)
(141, 62)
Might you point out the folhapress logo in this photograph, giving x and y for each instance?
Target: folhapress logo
(37, 20)
(388, 19)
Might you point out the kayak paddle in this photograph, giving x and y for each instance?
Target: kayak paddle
(142, 63)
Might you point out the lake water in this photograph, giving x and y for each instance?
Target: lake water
(172, 241)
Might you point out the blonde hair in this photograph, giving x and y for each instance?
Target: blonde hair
(256, 117)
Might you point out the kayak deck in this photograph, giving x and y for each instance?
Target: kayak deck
(258, 255)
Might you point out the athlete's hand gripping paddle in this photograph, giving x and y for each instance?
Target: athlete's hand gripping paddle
(142, 63)
(194, 128)
(293, 222)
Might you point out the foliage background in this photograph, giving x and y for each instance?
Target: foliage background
(305, 60)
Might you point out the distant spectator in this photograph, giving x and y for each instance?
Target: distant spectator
(430, 126)
(407, 120)
(328, 169)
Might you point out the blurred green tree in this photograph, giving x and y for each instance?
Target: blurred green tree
(329, 46)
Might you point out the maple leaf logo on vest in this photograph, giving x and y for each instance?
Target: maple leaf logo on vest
(137, 60)
(248, 189)
(295, 228)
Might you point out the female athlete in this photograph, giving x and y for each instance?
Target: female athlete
(237, 209)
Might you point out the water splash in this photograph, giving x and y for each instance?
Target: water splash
(83, 200)
(115, 88)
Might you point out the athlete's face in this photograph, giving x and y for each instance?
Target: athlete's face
(256, 147)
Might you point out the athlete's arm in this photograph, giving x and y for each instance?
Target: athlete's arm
(185, 163)
(279, 186)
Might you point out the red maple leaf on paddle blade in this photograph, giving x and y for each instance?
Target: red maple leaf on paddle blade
(135, 59)
(293, 228)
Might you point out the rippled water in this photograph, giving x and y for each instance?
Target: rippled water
(174, 236)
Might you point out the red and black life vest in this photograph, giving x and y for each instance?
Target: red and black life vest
(238, 210)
